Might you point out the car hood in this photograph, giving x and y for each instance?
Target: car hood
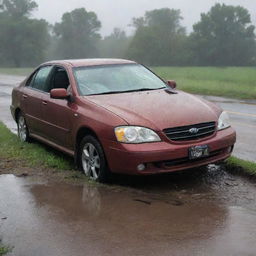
(158, 109)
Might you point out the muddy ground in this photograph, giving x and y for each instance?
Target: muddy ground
(196, 212)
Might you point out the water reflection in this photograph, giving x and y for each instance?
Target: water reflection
(91, 199)
(125, 211)
(45, 218)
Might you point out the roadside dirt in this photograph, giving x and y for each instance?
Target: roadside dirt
(21, 169)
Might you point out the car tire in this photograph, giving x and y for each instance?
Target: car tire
(23, 132)
(91, 159)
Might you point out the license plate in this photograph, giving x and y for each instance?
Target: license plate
(198, 152)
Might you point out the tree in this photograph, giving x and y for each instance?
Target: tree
(224, 36)
(114, 45)
(19, 8)
(159, 38)
(78, 34)
(23, 41)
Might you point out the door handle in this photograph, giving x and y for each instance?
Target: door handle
(24, 96)
(44, 102)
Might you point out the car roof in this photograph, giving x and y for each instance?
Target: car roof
(90, 62)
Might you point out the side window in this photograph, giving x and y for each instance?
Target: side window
(30, 81)
(40, 81)
(59, 79)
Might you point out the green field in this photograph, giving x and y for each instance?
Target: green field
(233, 82)
(16, 71)
(230, 82)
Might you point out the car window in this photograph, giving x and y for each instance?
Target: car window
(59, 79)
(116, 78)
(40, 82)
(30, 80)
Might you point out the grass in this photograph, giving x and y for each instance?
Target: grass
(246, 166)
(34, 154)
(16, 71)
(233, 82)
(4, 250)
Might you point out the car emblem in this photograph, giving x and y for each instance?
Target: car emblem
(194, 130)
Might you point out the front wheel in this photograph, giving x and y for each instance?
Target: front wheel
(23, 132)
(92, 161)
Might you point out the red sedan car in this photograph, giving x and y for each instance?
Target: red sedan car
(118, 116)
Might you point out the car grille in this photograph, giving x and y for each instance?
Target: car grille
(185, 133)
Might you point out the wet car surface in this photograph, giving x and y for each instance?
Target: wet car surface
(210, 213)
(242, 115)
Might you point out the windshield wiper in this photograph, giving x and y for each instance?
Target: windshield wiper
(145, 89)
(112, 92)
(135, 90)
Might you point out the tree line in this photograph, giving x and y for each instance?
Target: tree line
(224, 36)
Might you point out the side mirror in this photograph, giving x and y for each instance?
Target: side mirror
(60, 93)
(172, 84)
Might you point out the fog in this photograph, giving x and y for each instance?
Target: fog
(32, 31)
(118, 13)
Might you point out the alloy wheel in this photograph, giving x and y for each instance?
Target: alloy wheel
(91, 161)
(22, 129)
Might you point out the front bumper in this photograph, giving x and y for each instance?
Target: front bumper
(162, 157)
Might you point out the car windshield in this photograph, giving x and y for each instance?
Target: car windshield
(110, 79)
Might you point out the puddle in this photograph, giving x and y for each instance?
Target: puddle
(42, 218)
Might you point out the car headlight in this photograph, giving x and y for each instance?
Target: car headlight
(223, 122)
(135, 134)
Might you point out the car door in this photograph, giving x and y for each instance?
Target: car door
(31, 103)
(57, 113)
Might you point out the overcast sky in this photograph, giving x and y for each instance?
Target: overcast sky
(118, 13)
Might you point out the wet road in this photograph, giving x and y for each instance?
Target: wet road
(242, 113)
(243, 118)
(204, 213)
(6, 85)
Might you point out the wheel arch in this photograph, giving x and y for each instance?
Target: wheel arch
(16, 114)
(80, 134)
(83, 131)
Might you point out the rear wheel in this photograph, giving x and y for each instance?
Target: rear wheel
(23, 132)
(92, 161)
